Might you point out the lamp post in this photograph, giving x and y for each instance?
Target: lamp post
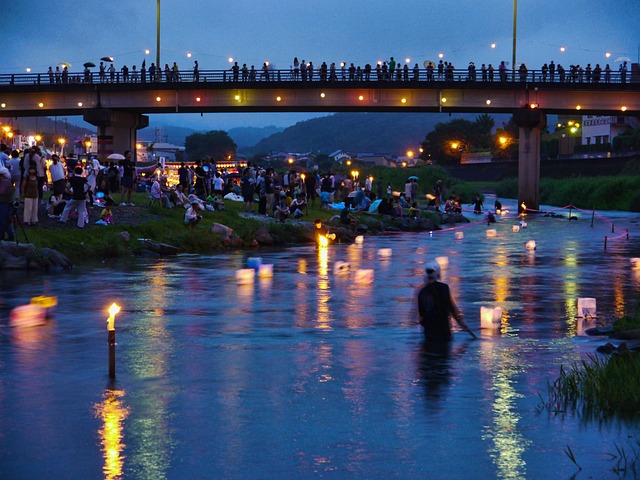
(513, 53)
(61, 142)
(158, 36)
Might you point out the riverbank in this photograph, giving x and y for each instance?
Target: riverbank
(218, 231)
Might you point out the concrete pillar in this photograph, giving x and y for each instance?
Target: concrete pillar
(116, 130)
(530, 121)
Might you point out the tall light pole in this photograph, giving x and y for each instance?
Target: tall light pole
(515, 23)
(158, 37)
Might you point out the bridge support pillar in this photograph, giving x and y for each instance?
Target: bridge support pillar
(530, 122)
(116, 129)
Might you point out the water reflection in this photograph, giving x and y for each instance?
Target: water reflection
(509, 445)
(112, 411)
(323, 292)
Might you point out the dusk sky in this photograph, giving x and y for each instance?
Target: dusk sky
(41, 33)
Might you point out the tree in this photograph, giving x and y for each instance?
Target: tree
(216, 144)
(505, 141)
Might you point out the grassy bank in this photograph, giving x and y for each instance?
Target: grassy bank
(602, 193)
(601, 387)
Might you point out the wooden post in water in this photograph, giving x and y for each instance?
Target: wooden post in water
(613, 228)
(593, 214)
(605, 243)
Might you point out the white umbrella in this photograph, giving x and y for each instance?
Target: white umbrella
(116, 156)
(622, 59)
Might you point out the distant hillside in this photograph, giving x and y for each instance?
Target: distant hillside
(249, 136)
(359, 132)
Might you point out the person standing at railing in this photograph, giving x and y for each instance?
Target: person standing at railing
(296, 68)
(125, 73)
(196, 71)
(523, 72)
(623, 72)
(303, 70)
(58, 79)
(112, 73)
(597, 73)
(310, 70)
(167, 73)
(491, 70)
(265, 72)
(65, 75)
(245, 72)
(175, 72)
(50, 73)
(561, 73)
(101, 72)
(483, 72)
(440, 70)
(545, 71)
(392, 67)
(607, 74)
(152, 72)
(236, 71)
(502, 71)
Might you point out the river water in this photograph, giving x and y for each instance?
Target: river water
(310, 374)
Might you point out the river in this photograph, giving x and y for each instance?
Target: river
(309, 374)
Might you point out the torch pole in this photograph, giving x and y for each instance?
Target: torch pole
(112, 353)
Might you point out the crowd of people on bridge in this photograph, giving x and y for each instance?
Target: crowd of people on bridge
(305, 71)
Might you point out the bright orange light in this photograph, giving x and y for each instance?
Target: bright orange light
(278, 99)
(410, 153)
(443, 99)
(361, 98)
(578, 107)
(158, 99)
(41, 104)
(624, 108)
(455, 145)
(79, 104)
(502, 140)
(138, 145)
(38, 138)
(404, 100)
(237, 98)
(6, 128)
(290, 161)
(62, 141)
(323, 241)
(404, 164)
(10, 134)
(114, 309)
(322, 95)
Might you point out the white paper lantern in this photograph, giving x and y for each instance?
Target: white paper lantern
(516, 228)
(586, 307)
(359, 240)
(27, 316)
(364, 276)
(459, 235)
(491, 233)
(265, 270)
(443, 262)
(531, 245)
(384, 252)
(523, 224)
(635, 262)
(245, 276)
(490, 318)
(254, 262)
(341, 268)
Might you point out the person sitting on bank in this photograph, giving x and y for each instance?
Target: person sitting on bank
(298, 206)
(157, 193)
(414, 212)
(435, 304)
(192, 215)
(280, 209)
(347, 218)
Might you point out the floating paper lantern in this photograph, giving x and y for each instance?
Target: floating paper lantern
(27, 316)
(586, 307)
(245, 276)
(531, 245)
(265, 270)
(384, 252)
(459, 235)
(359, 240)
(491, 233)
(523, 224)
(635, 262)
(364, 276)
(47, 303)
(516, 228)
(490, 318)
(442, 261)
(254, 262)
(341, 268)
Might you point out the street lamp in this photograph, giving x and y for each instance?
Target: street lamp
(61, 142)
(158, 36)
(513, 56)
(88, 145)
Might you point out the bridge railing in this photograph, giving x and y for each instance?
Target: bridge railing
(583, 79)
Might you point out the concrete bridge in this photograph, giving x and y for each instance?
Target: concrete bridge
(118, 106)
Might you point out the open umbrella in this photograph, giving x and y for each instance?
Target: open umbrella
(428, 62)
(622, 59)
(89, 64)
(65, 64)
(413, 177)
(116, 156)
(107, 59)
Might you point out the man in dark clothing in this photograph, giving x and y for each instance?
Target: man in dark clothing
(435, 305)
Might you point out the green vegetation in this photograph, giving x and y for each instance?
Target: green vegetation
(628, 322)
(601, 193)
(599, 388)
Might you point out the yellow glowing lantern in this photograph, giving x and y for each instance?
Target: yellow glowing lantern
(459, 235)
(114, 309)
(323, 241)
(531, 245)
(385, 252)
